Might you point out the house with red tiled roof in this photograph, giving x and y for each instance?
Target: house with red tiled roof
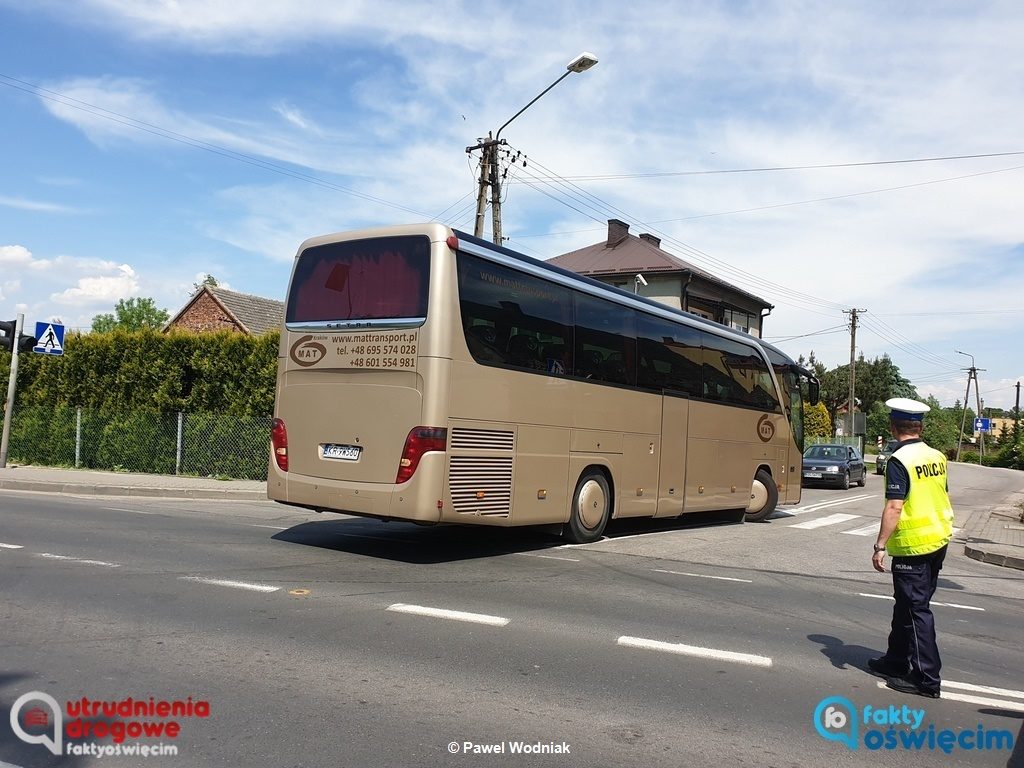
(213, 308)
(623, 259)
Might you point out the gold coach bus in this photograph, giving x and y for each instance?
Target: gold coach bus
(429, 376)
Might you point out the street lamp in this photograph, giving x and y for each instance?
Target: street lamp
(489, 171)
(972, 373)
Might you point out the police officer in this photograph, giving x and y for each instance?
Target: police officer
(917, 524)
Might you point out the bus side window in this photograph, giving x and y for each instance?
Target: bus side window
(524, 352)
(482, 341)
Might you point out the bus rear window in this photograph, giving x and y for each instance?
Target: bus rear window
(377, 279)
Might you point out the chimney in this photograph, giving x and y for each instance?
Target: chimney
(655, 241)
(617, 232)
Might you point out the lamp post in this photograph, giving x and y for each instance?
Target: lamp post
(972, 373)
(490, 173)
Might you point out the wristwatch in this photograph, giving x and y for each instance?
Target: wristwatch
(879, 549)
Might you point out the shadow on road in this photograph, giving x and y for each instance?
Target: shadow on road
(843, 655)
(421, 545)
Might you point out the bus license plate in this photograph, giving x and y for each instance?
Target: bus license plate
(813, 475)
(342, 452)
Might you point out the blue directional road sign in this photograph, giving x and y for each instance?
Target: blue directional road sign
(49, 339)
(982, 425)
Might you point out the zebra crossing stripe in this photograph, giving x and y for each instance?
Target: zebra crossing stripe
(821, 522)
(790, 512)
(867, 530)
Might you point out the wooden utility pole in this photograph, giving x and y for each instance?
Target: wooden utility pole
(972, 375)
(12, 385)
(853, 365)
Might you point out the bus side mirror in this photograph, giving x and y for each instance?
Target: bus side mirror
(813, 391)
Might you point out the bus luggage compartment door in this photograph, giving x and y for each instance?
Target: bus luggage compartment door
(675, 413)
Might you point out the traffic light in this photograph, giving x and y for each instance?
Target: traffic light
(25, 342)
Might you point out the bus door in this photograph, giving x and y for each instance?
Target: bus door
(675, 412)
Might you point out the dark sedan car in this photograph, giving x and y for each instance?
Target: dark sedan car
(833, 465)
(883, 456)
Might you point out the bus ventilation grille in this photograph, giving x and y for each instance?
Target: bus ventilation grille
(482, 439)
(481, 485)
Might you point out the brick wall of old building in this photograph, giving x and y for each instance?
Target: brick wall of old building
(205, 315)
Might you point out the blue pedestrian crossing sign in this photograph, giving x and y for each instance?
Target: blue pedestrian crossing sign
(49, 339)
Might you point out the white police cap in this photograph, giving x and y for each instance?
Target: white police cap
(905, 409)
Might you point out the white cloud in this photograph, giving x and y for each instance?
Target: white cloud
(15, 256)
(106, 289)
(25, 204)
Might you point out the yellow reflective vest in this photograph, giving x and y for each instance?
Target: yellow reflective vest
(926, 522)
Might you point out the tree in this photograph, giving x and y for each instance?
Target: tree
(131, 315)
(876, 381)
(816, 421)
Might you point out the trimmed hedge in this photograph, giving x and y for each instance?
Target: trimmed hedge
(131, 386)
(153, 372)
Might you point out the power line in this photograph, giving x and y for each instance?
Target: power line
(580, 195)
(662, 174)
(825, 332)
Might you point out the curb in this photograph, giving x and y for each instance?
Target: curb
(1007, 561)
(130, 490)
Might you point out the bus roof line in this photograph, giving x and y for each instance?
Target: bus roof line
(594, 287)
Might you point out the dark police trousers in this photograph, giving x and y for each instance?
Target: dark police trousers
(912, 637)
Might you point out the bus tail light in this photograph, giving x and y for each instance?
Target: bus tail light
(279, 443)
(420, 441)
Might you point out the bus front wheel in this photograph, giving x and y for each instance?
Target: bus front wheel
(764, 496)
(591, 508)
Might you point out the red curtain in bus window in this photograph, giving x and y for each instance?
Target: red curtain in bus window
(382, 285)
(378, 285)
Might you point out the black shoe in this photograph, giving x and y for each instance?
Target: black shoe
(885, 668)
(906, 685)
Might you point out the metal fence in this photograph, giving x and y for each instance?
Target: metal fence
(204, 444)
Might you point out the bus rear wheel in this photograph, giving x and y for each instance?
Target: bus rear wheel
(764, 496)
(591, 508)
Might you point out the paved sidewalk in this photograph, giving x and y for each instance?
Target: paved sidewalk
(87, 481)
(997, 537)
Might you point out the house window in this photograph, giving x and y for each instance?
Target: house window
(741, 321)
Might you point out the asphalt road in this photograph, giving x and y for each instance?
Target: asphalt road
(326, 640)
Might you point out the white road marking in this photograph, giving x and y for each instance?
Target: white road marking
(136, 511)
(695, 650)
(229, 583)
(443, 613)
(820, 505)
(548, 557)
(69, 559)
(11, 546)
(702, 576)
(983, 689)
(944, 605)
(867, 530)
(273, 527)
(1013, 706)
(821, 522)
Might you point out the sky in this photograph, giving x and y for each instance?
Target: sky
(824, 156)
